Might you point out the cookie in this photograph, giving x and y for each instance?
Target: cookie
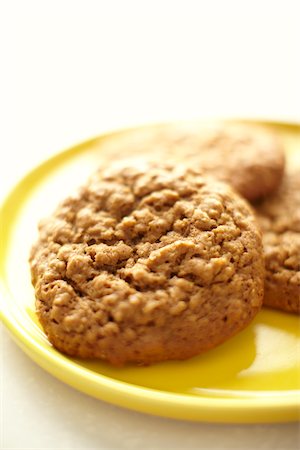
(146, 265)
(279, 217)
(249, 157)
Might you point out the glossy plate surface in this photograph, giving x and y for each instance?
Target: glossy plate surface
(253, 377)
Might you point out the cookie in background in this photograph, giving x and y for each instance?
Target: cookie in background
(279, 217)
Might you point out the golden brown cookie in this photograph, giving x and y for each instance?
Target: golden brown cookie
(147, 265)
(279, 216)
(249, 157)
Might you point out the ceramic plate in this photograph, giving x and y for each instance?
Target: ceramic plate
(253, 377)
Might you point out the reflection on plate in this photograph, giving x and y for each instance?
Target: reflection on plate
(253, 377)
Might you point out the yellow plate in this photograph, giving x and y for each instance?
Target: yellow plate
(253, 377)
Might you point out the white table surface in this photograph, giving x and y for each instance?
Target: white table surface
(72, 69)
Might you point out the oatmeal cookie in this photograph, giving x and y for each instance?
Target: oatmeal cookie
(249, 157)
(279, 216)
(146, 265)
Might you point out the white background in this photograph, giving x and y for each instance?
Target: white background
(71, 69)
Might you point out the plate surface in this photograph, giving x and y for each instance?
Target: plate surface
(253, 377)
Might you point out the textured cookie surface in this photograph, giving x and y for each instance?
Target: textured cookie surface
(147, 265)
(279, 216)
(250, 158)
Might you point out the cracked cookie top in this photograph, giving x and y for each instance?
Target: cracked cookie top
(136, 249)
